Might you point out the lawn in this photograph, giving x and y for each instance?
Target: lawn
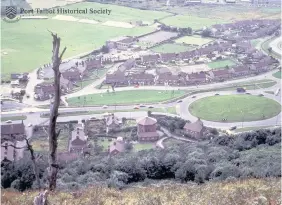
(171, 48)
(221, 64)
(27, 44)
(193, 40)
(125, 97)
(194, 22)
(143, 146)
(13, 118)
(277, 74)
(246, 129)
(235, 108)
(118, 13)
(42, 144)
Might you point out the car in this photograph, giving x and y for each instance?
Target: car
(29, 125)
(136, 107)
(261, 95)
(194, 97)
(233, 128)
(248, 93)
(179, 101)
(30, 112)
(9, 121)
(142, 105)
(216, 94)
(151, 106)
(92, 118)
(105, 106)
(27, 95)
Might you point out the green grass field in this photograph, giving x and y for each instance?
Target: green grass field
(221, 64)
(171, 48)
(277, 74)
(27, 44)
(42, 145)
(190, 21)
(143, 146)
(235, 108)
(124, 97)
(118, 13)
(196, 40)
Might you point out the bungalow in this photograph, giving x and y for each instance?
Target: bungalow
(20, 77)
(120, 43)
(195, 129)
(72, 74)
(117, 146)
(166, 57)
(66, 85)
(147, 129)
(142, 79)
(112, 122)
(196, 78)
(221, 74)
(44, 91)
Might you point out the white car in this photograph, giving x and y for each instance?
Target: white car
(9, 121)
(105, 106)
(29, 125)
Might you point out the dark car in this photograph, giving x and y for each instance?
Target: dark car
(216, 94)
(179, 101)
(260, 95)
(241, 90)
(233, 128)
(150, 106)
(194, 97)
(142, 105)
(248, 93)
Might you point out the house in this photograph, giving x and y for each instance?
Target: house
(166, 57)
(93, 63)
(78, 139)
(8, 152)
(193, 78)
(66, 85)
(118, 78)
(20, 77)
(168, 79)
(72, 74)
(147, 129)
(128, 64)
(152, 58)
(195, 129)
(241, 70)
(221, 74)
(142, 79)
(112, 122)
(13, 132)
(117, 146)
(120, 43)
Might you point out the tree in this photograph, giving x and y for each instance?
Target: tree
(269, 49)
(53, 135)
(206, 33)
(105, 49)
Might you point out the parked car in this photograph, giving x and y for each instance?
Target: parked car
(92, 118)
(9, 121)
(27, 95)
(136, 107)
(29, 125)
(142, 105)
(233, 128)
(194, 97)
(216, 94)
(241, 90)
(179, 101)
(261, 95)
(31, 112)
(150, 106)
(105, 106)
(248, 93)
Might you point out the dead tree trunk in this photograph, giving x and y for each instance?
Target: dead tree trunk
(53, 135)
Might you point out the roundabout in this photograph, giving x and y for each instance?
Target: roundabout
(234, 108)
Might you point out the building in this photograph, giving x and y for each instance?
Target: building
(117, 146)
(112, 122)
(166, 57)
(78, 139)
(152, 58)
(120, 43)
(118, 78)
(8, 152)
(142, 79)
(222, 74)
(147, 129)
(241, 70)
(195, 78)
(195, 129)
(93, 63)
(72, 74)
(13, 132)
(20, 77)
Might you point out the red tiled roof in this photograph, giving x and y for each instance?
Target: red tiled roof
(147, 121)
(195, 126)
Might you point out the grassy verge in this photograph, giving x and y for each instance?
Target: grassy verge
(265, 46)
(245, 129)
(277, 74)
(125, 97)
(221, 64)
(22, 117)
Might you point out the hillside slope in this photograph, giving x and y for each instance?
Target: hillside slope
(243, 192)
